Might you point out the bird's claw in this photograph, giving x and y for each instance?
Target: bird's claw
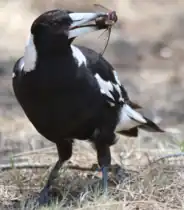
(44, 196)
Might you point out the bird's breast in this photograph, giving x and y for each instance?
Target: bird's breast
(58, 101)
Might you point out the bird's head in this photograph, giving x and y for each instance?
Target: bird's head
(54, 30)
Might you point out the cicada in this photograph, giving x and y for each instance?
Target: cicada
(109, 20)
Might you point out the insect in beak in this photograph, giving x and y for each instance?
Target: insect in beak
(109, 21)
(88, 22)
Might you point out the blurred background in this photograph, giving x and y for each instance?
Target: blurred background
(146, 48)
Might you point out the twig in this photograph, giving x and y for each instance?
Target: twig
(4, 167)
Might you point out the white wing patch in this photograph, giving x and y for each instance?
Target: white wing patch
(129, 118)
(106, 87)
(116, 77)
(30, 55)
(79, 56)
(118, 85)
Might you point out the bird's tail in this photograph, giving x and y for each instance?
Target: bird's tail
(151, 126)
(130, 120)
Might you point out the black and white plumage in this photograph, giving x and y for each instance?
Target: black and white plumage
(70, 92)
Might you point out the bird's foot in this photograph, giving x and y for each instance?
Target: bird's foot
(44, 196)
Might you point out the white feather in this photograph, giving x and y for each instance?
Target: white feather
(21, 64)
(116, 77)
(78, 55)
(13, 75)
(20, 67)
(117, 86)
(30, 55)
(105, 87)
(125, 121)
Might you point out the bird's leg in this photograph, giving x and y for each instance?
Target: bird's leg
(64, 151)
(104, 160)
(44, 194)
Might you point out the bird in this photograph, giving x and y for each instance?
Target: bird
(70, 92)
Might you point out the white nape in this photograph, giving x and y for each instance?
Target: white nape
(30, 55)
(129, 118)
(78, 55)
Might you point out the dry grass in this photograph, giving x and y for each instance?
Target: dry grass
(157, 187)
(154, 188)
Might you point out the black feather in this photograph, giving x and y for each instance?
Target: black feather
(133, 132)
(151, 126)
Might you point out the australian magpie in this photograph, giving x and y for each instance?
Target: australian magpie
(70, 92)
